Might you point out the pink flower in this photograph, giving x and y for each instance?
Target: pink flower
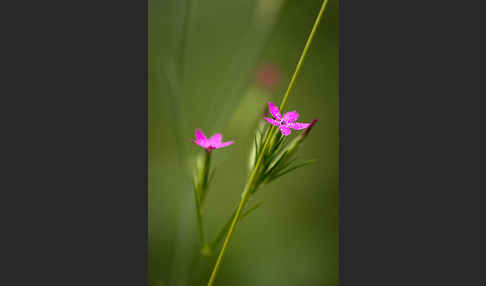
(212, 143)
(285, 122)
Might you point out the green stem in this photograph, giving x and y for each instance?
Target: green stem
(241, 205)
(223, 231)
(190, 6)
(200, 193)
(197, 198)
(205, 182)
(249, 185)
(304, 53)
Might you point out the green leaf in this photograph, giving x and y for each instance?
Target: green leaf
(211, 176)
(197, 197)
(277, 144)
(225, 228)
(257, 149)
(248, 211)
(278, 164)
(305, 163)
(205, 190)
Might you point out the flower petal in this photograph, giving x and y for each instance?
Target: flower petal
(200, 137)
(285, 130)
(215, 139)
(272, 121)
(290, 116)
(224, 144)
(298, 125)
(274, 111)
(199, 143)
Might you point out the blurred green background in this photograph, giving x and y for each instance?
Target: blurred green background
(206, 61)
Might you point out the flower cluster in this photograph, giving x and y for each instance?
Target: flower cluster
(278, 158)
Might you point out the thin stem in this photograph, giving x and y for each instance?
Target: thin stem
(200, 193)
(244, 199)
(201, 228)
(223, 231)
(249, 185)
(250, 52)
(187, 25)
(205, 182)
(304, 53)
(197, 198)
(176, 91)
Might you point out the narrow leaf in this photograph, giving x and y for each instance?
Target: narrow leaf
(225, 228)
(305, 163)
(248, 211)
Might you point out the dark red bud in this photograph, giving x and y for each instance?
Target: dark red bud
(308, 129)
(265, 111)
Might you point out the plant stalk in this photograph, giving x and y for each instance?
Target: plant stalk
(244, 199)
(199, 194)
(304, 53)
(249, 185)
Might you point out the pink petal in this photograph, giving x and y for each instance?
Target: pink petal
(290, 116)
(199, 143)
(215, 139)
(200, 137)
(272, 121)
(298, 125)
(285, 130)
(224, 144)
(274, 111)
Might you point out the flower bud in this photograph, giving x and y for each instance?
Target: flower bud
(308, 129)
(265, 111)
(298, 140)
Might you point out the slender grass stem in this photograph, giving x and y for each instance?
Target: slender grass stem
(200, 191)
(249, 54)
(199, 218)
(190, 7)
(244, 199)
(304, 53)
(205, 182)
(176, 91)
(251, 180)
(223, 231)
